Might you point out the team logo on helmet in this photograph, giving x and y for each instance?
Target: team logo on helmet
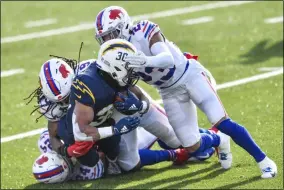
(42, 160)
(114, 14)
(64, 72)
(118, 45)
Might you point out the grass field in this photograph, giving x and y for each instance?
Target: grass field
(233, 46)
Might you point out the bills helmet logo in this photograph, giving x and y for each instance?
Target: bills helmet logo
(64, 72)
(42, 160)
(114, 14)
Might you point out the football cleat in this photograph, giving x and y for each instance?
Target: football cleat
(224, 151)
(181, 156)
(268, 168)
(202, 155)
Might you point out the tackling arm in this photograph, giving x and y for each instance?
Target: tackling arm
(54, 140)
(162, 57)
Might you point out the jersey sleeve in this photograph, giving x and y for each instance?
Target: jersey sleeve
(82, 91)
(145, 30)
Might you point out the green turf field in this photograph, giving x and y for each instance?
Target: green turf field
(233, 46)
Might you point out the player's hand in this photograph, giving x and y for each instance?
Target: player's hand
(125, 125)
(137, 60)
(129, 105)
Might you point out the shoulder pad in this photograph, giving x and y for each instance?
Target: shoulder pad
(144, 29)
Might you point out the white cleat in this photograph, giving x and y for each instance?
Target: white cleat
(268, 168)
(224, 151)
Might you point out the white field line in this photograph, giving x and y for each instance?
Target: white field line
(22, 135)
(269, 68)
(90, 25)
(37, 23)
(11, 72)
(197, 20)
(274, 20)
(245, 80)
(221, 86)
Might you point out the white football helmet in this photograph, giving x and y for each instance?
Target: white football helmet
(50, 167)
(111, 59)
(56, 78)
(112, 22)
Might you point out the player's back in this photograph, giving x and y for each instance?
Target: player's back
(142, 32)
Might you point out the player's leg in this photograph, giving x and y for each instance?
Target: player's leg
(156, 122)
(182, 115)
(206, 98)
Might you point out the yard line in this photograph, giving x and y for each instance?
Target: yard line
(90, 25)
(221, 86)
(250, 79)
(11, 72)
(275, 72)
(197, 20)
(274, 20)
(37, 23)
(269, 68)
(22, 135)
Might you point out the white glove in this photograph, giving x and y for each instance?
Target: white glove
(137, 60)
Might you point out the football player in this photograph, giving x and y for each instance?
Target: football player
(111, 59)
(183, 85)
(56, 73)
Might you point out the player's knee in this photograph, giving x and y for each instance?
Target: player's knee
(90, 159)
(229, 127)
(128, 168)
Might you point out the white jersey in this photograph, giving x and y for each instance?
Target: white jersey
(55, 111)
(142, 32)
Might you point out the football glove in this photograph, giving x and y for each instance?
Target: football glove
(137, 60)
(128, 105)
(125, 125)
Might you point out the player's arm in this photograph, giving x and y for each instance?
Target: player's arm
(54, 140)
(84, 112)
(141, 96)
(162, 57)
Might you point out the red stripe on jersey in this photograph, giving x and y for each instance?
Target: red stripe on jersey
(152, 31)
(145, 27)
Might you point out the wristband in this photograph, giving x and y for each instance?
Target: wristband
(105, 132)
(145, 107)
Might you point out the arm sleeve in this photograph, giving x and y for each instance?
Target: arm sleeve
(162, 57)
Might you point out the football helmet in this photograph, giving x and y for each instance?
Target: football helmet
(50, 167)
(111, 59)
(112, 22)
(55, 79)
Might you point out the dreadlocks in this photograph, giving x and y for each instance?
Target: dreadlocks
(37, 93)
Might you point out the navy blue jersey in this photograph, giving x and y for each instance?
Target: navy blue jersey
(91, 89)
